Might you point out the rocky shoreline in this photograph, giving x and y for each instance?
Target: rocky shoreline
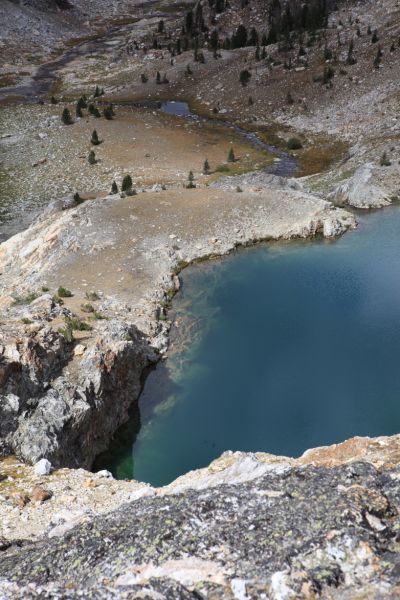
(63, 399)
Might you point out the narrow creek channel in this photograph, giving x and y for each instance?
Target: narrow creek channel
(277, 348)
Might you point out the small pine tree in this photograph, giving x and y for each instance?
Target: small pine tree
(289, 98)
(108, 114)
(231, 155)
(385, 162)
(92, 158)
(97, 92)
(191, 183)
(95, 139)
(144, 78)
(53, 100)
(91, 109)
(77, 199)
(114, 188)
(79, 112)
(264, 53)
(206, 167)
(96, 113)
(158, 77)
(126, 183)
(82, 103)
(66, 117)
(375, 37)
(244, 77)
(165, 79)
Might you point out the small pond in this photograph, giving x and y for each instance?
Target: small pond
(277, 348)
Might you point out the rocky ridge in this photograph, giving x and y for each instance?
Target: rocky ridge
(248, 526)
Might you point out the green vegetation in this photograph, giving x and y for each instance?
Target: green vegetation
(45, 288)
(66, 117)
(26, 321)
(244, 77)
(206, 167)
(63, 292)
(77, 199)
(95, 138)
(190, 185)
(92, 158)
(231, 155)
(127, 184)
(27, 299)
(75, 324)
(222, 169)
(294, 144)
(114, 188)
(108, 114)
(92, 296)
(87, 308)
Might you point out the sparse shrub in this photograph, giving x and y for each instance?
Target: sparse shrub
(64, 292)
(27, 299)
(26, 321)
(87, 308)
(66, 117)
(239, 189)
(92, 158)
(222, 169)
(45, 288)
(75, 324)
(231, 155)
(67, 334)
(92, 296)
(385, 162)
(294, 144)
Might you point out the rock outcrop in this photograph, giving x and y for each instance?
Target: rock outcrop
(361, 190)
(249, 526)
(63, 409)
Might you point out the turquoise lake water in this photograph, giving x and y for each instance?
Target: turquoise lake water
(277, 348)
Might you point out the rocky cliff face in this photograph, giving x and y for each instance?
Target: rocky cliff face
(64, 409)
(249, 526)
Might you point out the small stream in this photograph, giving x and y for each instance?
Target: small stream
(287, 164)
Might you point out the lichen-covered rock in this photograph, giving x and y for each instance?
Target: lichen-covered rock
(284, 532)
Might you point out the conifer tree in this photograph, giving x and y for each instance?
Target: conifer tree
(95, 138)
(191, 183)
(231, 155)
(92, 158)
(158, 77)
(79, 112)
(127, 183)
(114, 188)
(53, 100)
(66, 117)
(206, 167)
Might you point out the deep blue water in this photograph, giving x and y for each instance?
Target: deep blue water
(281, 347)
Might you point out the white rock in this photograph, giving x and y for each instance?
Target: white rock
(42, 467)
(105, 473)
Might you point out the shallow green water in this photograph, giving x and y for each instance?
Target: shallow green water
(281, 347)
